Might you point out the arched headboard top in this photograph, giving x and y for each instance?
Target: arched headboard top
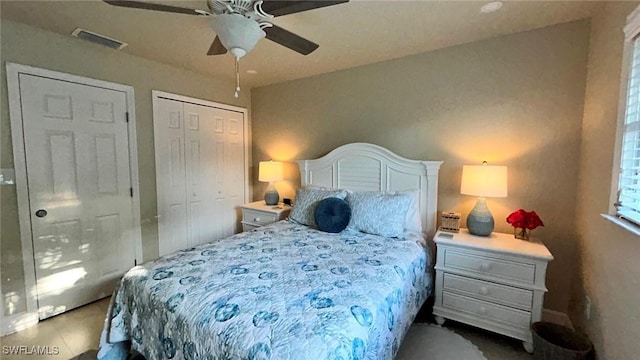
(369, 167)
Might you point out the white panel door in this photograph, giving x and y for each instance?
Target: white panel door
(201, 184)
(233, 169)
(219, 175)
(200, 175)
(76, 147)
(229, 174)
(170, 175)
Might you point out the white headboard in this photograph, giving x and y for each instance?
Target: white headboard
(368, 167)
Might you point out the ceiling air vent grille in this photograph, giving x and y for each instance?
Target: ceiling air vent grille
(98, 39)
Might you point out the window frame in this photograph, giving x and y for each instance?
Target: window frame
(631, 35)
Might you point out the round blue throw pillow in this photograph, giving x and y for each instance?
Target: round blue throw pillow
(332, 215)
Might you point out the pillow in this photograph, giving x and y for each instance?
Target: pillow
(332, 215)
(378, 213)
(413, 221)
(316, 187)
(306, 201)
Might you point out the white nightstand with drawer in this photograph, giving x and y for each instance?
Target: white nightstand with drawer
(496, 283)
(258, 214)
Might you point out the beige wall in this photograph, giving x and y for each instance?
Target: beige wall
(609, 255)
(515, 100)
(30, 46)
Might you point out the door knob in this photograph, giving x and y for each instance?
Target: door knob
(41, 213)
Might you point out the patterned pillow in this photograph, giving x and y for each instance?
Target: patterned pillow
(306, 202)
(379, 213)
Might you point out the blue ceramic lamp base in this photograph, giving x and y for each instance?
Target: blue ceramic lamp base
(271, 196)
(480, 221)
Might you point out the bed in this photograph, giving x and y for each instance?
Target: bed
(288, 290)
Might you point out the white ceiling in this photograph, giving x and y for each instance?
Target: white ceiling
(352, 34)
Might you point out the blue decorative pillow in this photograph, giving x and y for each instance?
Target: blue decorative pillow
(332, 215)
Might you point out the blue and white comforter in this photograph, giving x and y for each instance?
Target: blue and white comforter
(283, 291)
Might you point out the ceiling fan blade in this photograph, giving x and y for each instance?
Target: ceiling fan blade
(217, 48)
(280, 7)
(290, 40)
(152, 6)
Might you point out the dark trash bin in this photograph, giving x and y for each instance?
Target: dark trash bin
(557, 342)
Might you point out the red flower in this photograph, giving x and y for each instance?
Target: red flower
(524, 219)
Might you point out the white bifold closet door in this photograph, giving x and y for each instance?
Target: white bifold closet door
(200, 172)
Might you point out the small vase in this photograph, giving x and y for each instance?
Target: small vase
(521, 233)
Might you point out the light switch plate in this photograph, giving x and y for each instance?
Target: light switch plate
(7, 177)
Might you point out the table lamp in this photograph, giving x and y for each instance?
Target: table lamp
(483, 181)
(270, 171)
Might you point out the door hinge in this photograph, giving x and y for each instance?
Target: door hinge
(126, 116)
(131, 191)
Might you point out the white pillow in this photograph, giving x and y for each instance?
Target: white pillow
(413, 220)
(379, 213)
(306, 202)
(318, 187)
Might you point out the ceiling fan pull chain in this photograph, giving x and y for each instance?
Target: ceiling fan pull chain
(237, 75)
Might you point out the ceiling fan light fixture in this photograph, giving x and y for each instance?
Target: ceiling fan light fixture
(237, 33)
(240, 24)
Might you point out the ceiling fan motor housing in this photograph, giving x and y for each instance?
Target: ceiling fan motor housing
(237, 33)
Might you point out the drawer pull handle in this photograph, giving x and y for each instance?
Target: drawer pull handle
(256, 219)
(485, 266)
(484, 290)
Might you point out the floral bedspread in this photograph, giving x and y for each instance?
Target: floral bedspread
(283, 291)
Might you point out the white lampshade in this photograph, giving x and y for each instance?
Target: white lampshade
(237, 33)
(269, 171)
(484, 180)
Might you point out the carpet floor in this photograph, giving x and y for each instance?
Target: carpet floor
(437, 343)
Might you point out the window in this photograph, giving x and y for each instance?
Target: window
(628, 204)
(626, 182)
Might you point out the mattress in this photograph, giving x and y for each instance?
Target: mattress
(283, 291)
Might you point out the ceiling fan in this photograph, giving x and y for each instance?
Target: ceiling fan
(240, 24)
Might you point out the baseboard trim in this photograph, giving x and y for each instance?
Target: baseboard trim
(19, 322)
(556, 317)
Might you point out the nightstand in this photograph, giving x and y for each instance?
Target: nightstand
(496, 283)
(258, 214)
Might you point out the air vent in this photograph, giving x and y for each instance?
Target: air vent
(98, 39)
